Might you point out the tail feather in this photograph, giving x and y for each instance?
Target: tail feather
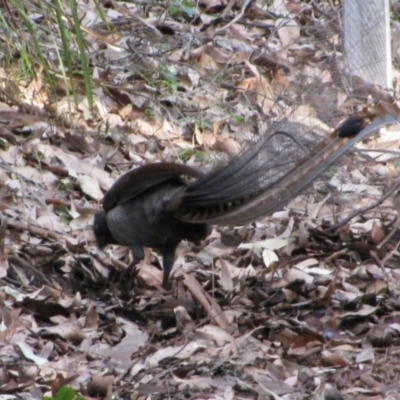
(264, 177)
(248, 174)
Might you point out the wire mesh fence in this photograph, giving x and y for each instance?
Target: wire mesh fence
(328, 71)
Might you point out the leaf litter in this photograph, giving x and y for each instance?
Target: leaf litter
(284, 308)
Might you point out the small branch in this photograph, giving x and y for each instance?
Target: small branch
(35, 230)
(212, 309)
(125, 10)
(365, 209)
(246, 4)
(375, 257)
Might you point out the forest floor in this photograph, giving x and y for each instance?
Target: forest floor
(284, 308)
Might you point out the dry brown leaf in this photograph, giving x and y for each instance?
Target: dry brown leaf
(288, 31)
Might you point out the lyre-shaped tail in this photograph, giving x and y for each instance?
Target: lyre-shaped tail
(265, 176)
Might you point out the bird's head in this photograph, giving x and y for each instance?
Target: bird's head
(101, 230)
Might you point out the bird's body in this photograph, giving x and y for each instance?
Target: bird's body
(159, 205)
(147, 211)
(146, 220)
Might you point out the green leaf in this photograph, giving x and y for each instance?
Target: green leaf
(200, 156)
(66, 393)
(238, 118)
(188, 8)
(169, 77)
(173, 10)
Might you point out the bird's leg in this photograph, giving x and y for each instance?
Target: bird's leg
(168, 254)
(125, 279)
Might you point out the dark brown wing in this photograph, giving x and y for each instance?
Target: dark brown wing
(138, 180)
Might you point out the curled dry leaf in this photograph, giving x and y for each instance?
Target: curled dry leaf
(135, 339)
(90, 187)
(288, 31)
(227, 145)
(213, 335)
(180, 352)
(265, 91)
(28, 353)
(270, 244)
(183, 320)
(269, 257)
(69, 331)
(226, 277)
(74, 164)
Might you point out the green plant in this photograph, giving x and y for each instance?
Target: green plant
(35, 49)
(82, 52)
(64, 393)
(168, 78)
(65, 186)
(200, 156)
(179, 8)
(149, 112)
(238, 118)
(27, 42)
